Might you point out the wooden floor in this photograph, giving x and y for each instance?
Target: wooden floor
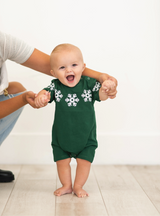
(114, 191)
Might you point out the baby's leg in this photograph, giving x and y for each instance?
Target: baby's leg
(82, 172)
(64, 173)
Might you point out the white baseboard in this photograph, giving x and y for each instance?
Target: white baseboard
(113, 149)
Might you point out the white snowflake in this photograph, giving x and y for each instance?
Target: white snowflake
(58, 95)
(87, 95)
(51, 86)
(72, 100)
(96, 87)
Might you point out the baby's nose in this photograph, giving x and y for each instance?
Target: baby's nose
(69, 69)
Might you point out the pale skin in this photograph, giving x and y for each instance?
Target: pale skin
(40, 61)
(67, 65)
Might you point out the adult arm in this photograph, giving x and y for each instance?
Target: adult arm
(39, 61)
(13, 104)
(101, 77)
(17, 50)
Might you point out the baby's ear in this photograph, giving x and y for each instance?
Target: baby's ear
(53, 73)
(84, 66)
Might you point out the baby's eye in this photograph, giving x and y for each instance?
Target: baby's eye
(74, 65)
(61, 67)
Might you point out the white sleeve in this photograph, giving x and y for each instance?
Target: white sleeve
(14, 49)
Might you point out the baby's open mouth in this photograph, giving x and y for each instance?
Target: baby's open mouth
(70, 78)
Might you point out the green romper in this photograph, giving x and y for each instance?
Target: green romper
(74, 128)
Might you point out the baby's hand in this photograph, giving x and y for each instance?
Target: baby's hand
(42, 100)
(107, 86)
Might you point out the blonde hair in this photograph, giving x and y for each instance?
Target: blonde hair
(65, 46)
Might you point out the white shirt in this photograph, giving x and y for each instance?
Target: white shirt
(13, 49)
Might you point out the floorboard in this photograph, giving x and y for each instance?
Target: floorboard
(32, 194)
(113, 191)
(121, 192)
(7, 188)
(149, 179)
(71, 205)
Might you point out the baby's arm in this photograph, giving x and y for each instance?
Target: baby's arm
(106, 88)
(42, 98)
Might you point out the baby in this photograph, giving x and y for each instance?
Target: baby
(74, 128)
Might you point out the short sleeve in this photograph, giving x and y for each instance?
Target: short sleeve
(94, 86)
(51, 89)
(14, 49)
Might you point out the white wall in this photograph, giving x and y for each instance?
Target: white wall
(118, 37)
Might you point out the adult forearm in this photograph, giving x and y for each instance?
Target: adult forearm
(92, 73)
(101, 77)
(11, 105)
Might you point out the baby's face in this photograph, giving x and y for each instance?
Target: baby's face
(67, 66)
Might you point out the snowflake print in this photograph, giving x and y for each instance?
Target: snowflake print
(96, 87)
(58, 95)
(87, 95)
(51, 86)
(72, 100)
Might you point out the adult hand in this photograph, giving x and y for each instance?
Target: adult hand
(29, 97)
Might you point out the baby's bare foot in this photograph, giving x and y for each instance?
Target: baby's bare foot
(63, 190)
(80, 192)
